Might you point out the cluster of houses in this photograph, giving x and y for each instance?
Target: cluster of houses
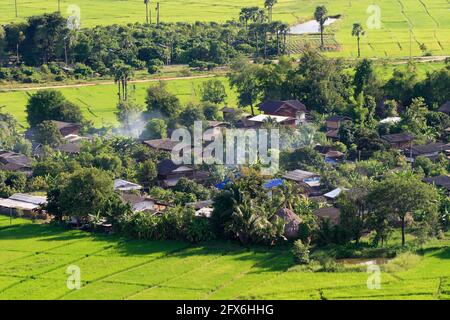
(288, 113)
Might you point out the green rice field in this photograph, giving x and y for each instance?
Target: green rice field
(34, 259)
(427, 19)
(98, 102)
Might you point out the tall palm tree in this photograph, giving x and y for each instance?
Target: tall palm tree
(357, 32)
(122, 74)
(321, 15)
(284, 30)
(274, 28)
(146, 2)
(269, 4)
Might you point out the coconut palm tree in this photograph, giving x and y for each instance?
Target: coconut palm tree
(269, 4)
(321, 16)
(357, 32)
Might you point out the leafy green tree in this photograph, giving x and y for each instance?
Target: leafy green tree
(365, 79)
(162, 102)
(48, 133)
(401, 194)
(321, 15)
(390, 108)
(44, 40)
(353, 211)
(211, 111)
(434, 88)
(213, 91)
(320, 83)
(189, 186)
(245, 81)
(155, 129)
(147, 173)
(414, 118)
(302, 158)
(86, 191)
(300, 252)
(108, 162)
(190, 114)
(14, 36)
(11, 182)
(51, 105)
(401, 86)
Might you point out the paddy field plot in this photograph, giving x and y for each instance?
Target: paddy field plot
(428, 20)
(98, 102)
(34, 259)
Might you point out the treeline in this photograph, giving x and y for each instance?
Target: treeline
(45, 40)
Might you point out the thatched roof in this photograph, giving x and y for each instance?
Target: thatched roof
(292, 223)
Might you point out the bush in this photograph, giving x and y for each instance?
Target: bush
(300, 252)
(82, 71)
(199, 229)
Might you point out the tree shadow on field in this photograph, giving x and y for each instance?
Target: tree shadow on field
(263, 258)
(184, 250)
(438, 252)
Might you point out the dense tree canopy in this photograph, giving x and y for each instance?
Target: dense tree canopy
(51, 105)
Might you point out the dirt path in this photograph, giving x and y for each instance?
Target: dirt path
(99, 83)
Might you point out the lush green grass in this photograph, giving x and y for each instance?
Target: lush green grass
(427, 18)
(98, 102)
(34, 259)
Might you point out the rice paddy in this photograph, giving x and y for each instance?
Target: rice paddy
(34, 261)
(406, 26)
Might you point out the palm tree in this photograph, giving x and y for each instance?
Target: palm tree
(274, 27)
(321, 16)
(284, 30)
(122, 74)
(269, 5)
(357, 32)
(146, 2)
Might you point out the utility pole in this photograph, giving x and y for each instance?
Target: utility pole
(15, 5)
(59, 6)
(157, 13)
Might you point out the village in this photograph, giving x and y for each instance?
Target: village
(291, 113)
(273, 150)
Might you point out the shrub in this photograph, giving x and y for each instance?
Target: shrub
(82, 71)
(199, 229)
(402, 262)
(300, 252)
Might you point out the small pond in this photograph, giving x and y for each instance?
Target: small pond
(311, 26)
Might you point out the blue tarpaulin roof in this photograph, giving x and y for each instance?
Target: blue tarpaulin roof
(222, 184)
(273, 183)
